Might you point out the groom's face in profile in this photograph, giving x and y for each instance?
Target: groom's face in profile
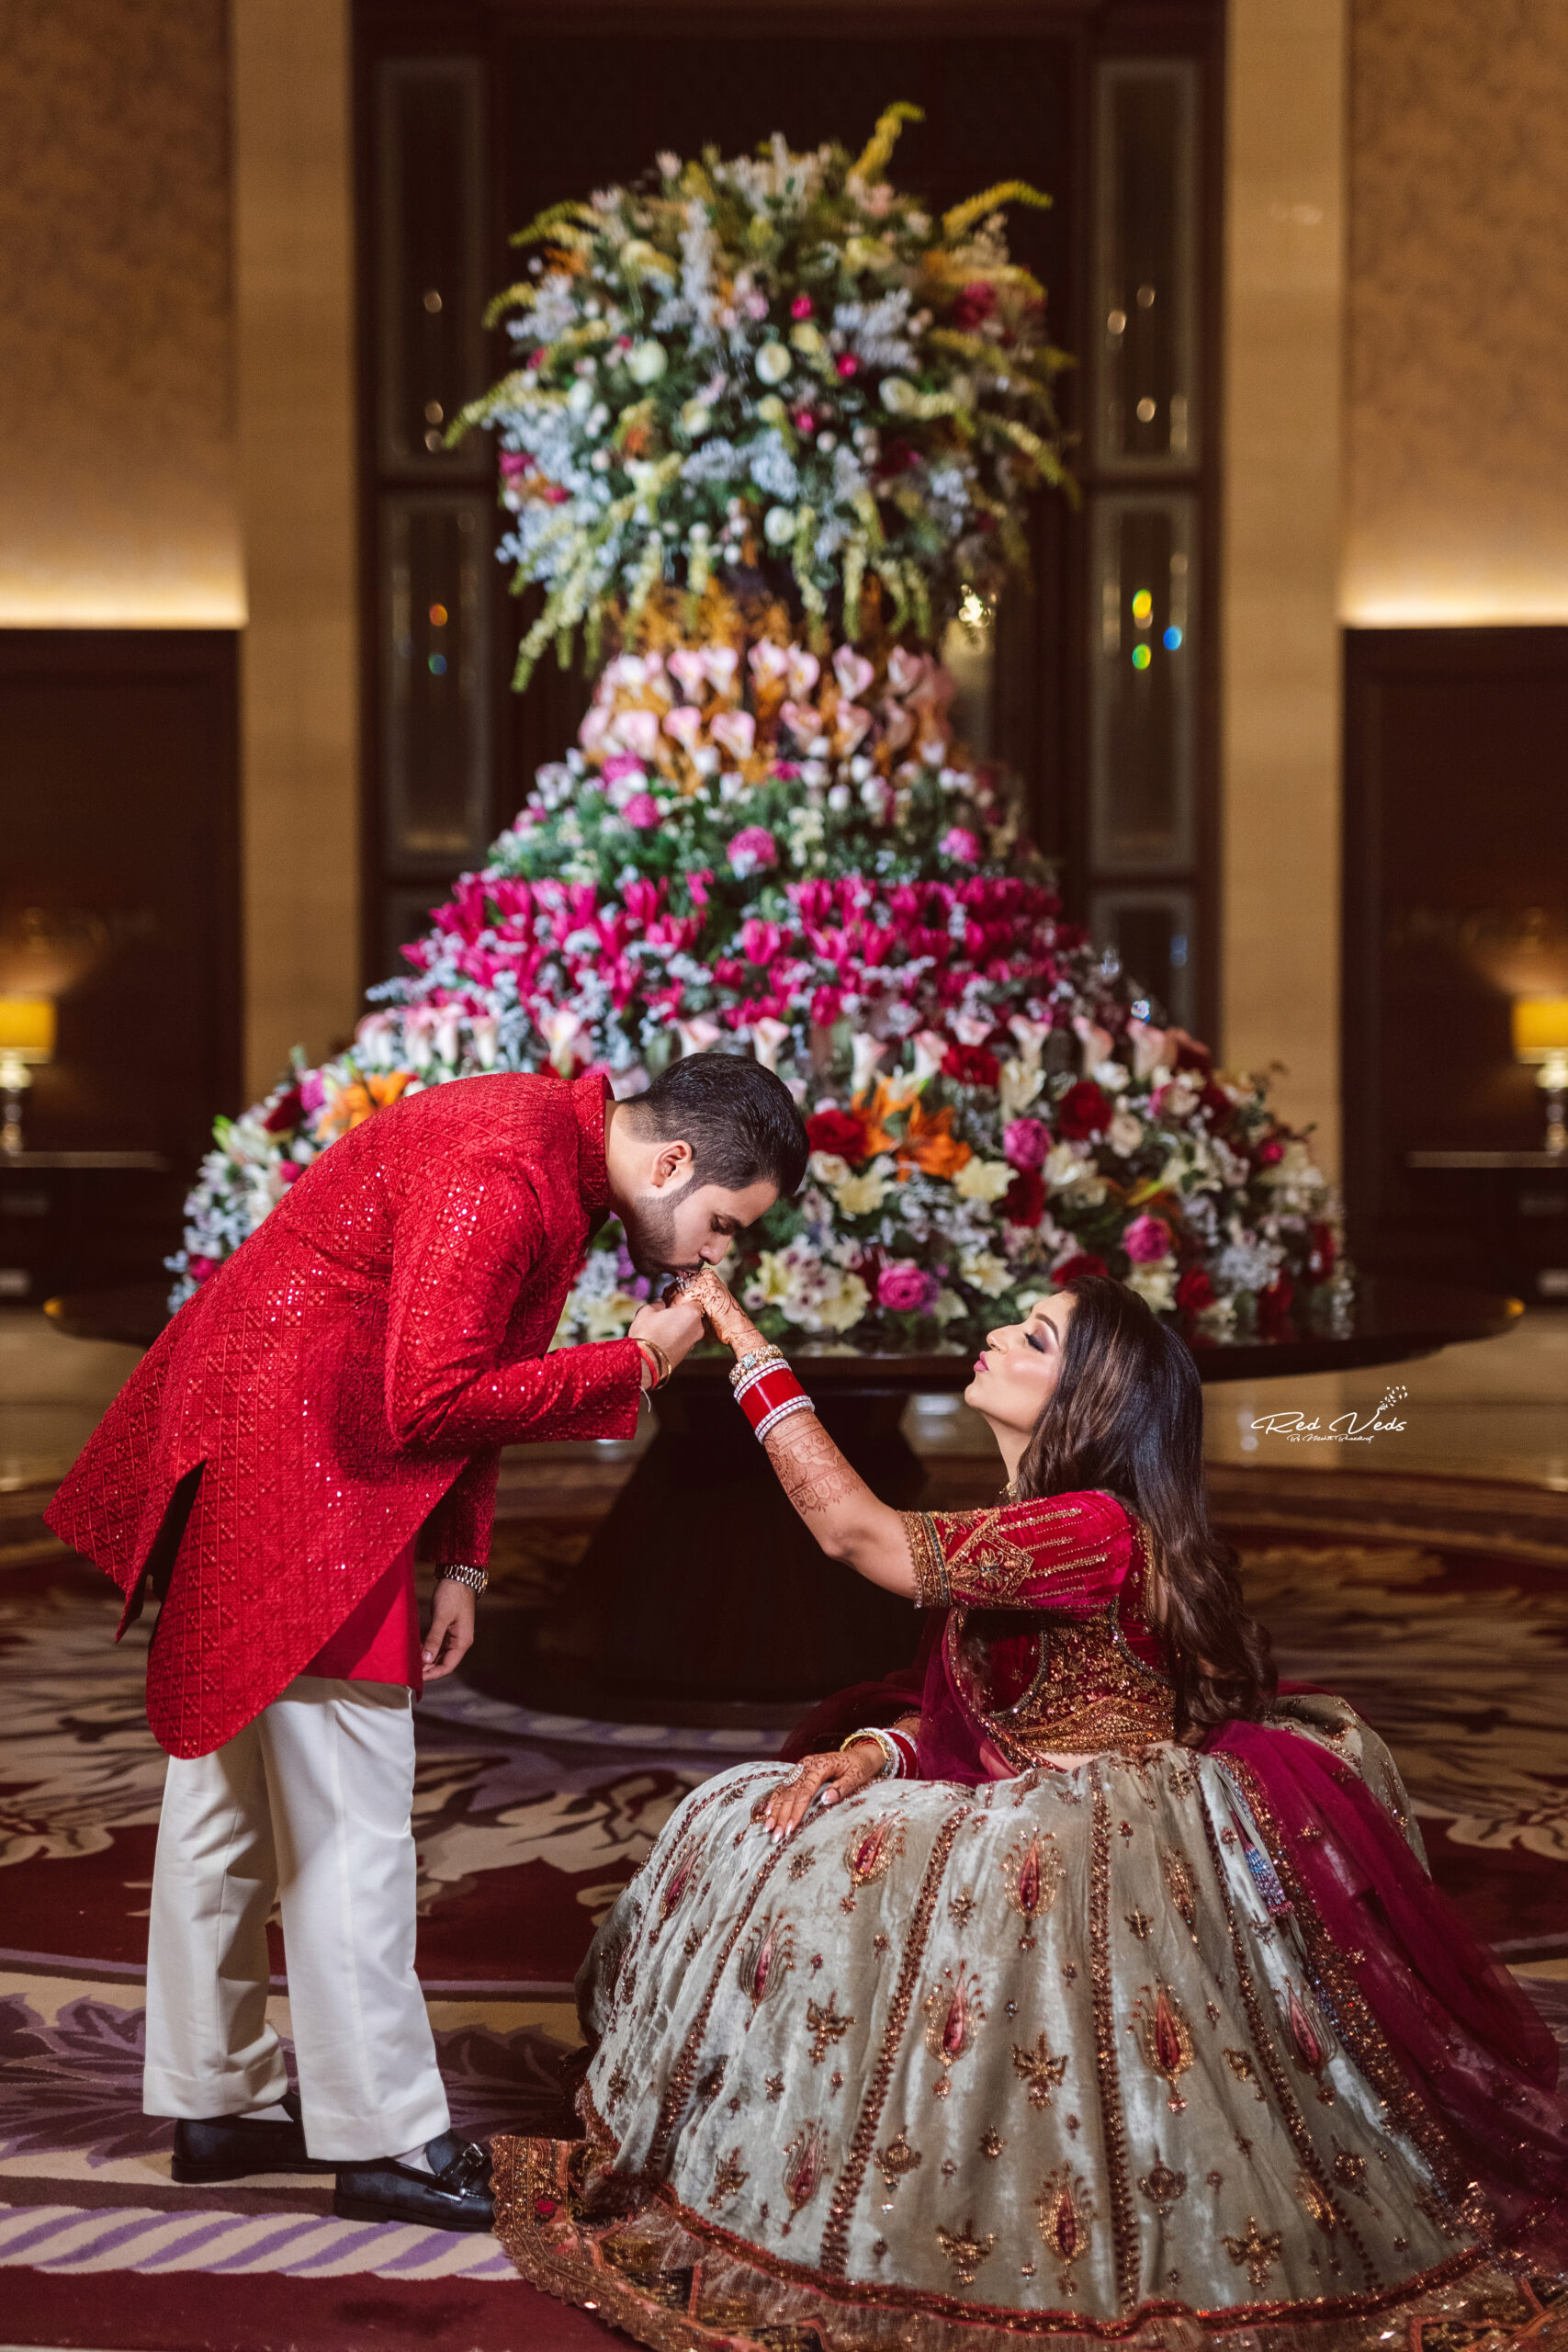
(673, 1228)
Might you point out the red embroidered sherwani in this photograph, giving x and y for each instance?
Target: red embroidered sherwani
(346, 1379)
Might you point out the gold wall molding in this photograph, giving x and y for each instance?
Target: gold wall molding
(1457, 501)
(117, 432)
(299, 672)
(1281, 724)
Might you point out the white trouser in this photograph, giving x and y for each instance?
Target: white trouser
(310, 1803)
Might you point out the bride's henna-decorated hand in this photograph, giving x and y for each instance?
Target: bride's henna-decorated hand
(727, 1317)
(842, 1775)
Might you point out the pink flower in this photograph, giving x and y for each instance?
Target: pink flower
(621, 764)
(826, 1006)
(289, 1172)
(514, 462)
(1146, 1241)
(904, 1288)
(684, 722)
(636, 731)
(959, 844)
(313, 1091)
(641, 810)
(804, 421)
(1026, 1143)
(760, 942)
(847, 364)
(737, 731)
(199, 1268)
(801, 307)
(753, 850)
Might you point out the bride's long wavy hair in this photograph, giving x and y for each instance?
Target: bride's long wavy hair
(1127, 1416)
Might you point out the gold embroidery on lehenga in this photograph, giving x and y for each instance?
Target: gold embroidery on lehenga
(896, 2159)
(991, 2143)
(1040, 2070)
(1160, 2024)
(1033, 1871)
(1162, 2187)
(1089, 1691)
(826, 2026)
(1242, 2067)
(960, 1908)
(712, 2083)
(1067, 2215)
(1108, 2079)
(805, 2168)
(834, 2255)
(1140, 1923)
(1177, 1880)
(965, 2251)
(728, 2181)
(1315, 2203)
(1351, 2172)
(954, 2012)
(1260, 2254)
(766, 1960)
(1307, 2036)
(870, 1851)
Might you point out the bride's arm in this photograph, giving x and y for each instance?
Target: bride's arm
(833, 1499)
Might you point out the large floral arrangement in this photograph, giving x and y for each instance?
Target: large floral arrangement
(766, 839)
(772, 358)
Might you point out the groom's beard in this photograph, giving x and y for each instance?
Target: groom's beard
(651, 1238)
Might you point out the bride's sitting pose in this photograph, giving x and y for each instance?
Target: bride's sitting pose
(1105, 1993)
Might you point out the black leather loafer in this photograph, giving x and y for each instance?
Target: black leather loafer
(231, 2147)
(454, 2195)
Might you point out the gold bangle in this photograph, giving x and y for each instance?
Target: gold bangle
(662, 1367)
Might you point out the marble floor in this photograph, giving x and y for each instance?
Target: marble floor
(1492, 1409)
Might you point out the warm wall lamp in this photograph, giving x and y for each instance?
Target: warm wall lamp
(1540, 1036)
(27, 1037)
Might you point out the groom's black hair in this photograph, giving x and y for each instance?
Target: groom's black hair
(739, 1119)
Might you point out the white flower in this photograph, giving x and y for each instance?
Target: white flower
(696, 418)
(1022, 1082)
(606, 1318)
(866, 1053)
(947, 1306)
(841, 1309)
(770, 1285)
(827, 1168)
(864, 1195)
(988, 1273)
(982, 1180)
(897, 394)
(646, 362)
(1218, 1321)
(767, 1036)
(1156, 1285)
(778, 526)
(1124, 1134)
(773, 363)
(1111, 1075)
(1065, 1164)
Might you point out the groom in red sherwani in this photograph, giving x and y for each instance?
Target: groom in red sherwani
(336, 1394)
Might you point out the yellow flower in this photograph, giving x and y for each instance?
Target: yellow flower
(983, 1180)
(864, 1195)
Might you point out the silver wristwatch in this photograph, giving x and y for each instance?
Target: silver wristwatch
(475, 1578)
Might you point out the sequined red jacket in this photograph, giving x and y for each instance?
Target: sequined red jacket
(346, 1379)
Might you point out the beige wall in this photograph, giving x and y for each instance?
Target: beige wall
(1280, 655)
(117, 440)
(1457, 499)
(294, 312)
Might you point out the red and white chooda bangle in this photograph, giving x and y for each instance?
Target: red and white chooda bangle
(769, 1394)
(898, 1749)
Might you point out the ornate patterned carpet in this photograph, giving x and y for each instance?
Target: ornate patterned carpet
(527, 1826)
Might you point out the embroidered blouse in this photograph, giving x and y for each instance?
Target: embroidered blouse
(1047, 1648)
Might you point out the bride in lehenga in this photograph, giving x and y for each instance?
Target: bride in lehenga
(1093, 1989)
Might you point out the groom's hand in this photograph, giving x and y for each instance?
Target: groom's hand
(675, 1329)
(451, 1635)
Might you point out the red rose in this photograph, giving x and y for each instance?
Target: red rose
(1267, 1154)
(1075, 1269)
(1217, 1101)
(1084, 1109)
(1194, 1290)
(1322, 1256)
(285, 1114)
(1023, 1203)
(971, 1066)
(973, 305)
(837, 1132)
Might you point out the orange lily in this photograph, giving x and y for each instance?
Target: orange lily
(883, 1104)
(929, 1142)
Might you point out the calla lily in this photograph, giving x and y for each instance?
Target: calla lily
(851, 724)
(803, 672)
(684, 722)
(1030, 1035)
(559, 1029)
(853, 670)
(1149, 1047)
(689, 665)
(768, 661)
(721, 663)
(973, 1028)
(803, 720)
(1022, 1082)
(931, 1052)
(1098, 1043)
(905, 670)
(636, 731)
(484, 1033)
(767, 1036)
(737, 731)
(594, 728)
(696, 1036)
(866, 1053)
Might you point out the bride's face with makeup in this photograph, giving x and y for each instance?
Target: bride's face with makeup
(1019, 1365)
